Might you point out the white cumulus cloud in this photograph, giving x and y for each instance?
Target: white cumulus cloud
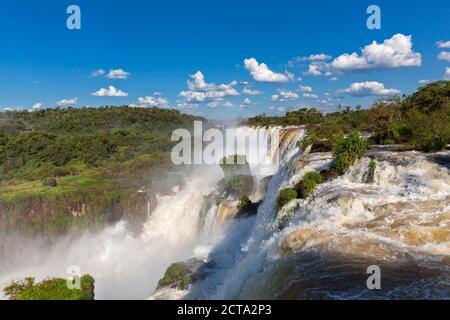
(284, 95)
(67, 102)
(447, 73)
(151, 101)
(444, 56)
(396, 52)
(118, 74)
(443, 44)
(310, 95)
(313, 70)
(368, 88)
(305, 89)
(111, 91)
(261, 72)
(200, 90)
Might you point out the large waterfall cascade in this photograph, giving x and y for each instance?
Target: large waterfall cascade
(399, 220)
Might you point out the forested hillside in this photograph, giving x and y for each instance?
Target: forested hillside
(72, 168)
(421, 120)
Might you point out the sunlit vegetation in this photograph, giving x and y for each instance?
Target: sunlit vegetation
(176, 276)
(57, 159)
(50, 289)
(420, 120)
(286, 196)
(347, 151)
(308, 184)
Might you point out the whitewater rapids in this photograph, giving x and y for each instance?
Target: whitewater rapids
(399, 219)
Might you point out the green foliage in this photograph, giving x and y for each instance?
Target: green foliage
(50, 289)
(348, 151)
(420, 120)
(309, 141)
(313, 176)
(177, 276)
(308, 184)
(238, 179)
(373, 165)
(240, 185)
(91, 153)
(285, 196)
(433, 97)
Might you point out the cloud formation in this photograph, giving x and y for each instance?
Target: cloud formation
(313, 70)
(118, 74)
(393, 53)
(443, 44)
(312, 57)
(67, 102)
(305, 89)
(284, 95)
(150, 101)
(310, 96)
(98, 73)
(368, 88)
(251, 92)
(111, 91)
(200, 90)
(447, 73)
(444, 56)
(261, 72)
(37, 106)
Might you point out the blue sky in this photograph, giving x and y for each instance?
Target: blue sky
(247, 56)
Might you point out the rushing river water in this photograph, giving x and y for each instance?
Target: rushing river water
(397, 218)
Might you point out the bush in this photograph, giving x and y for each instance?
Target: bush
(348, 151)
(309, 140)
(177, 276)
(309, 184)
(430, 144)
(240, 186)
(50, 289)
(285, 196)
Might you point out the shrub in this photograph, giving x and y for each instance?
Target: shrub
(240, 186)
(309, 184)
(177, 275)
(430, 143)
(285, 196)
(314, 176)
(50, 289)
(348, 151)
(309, 140)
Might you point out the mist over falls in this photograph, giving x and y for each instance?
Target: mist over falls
(397, 217)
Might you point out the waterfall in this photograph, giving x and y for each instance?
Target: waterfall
(400, 220)
(127, 266)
